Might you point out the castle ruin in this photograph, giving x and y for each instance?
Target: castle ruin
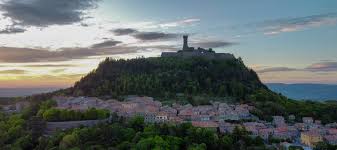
(188, 52)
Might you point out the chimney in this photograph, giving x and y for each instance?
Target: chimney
(185, 47)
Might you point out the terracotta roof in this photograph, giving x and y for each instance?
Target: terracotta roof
(187, 112)
(161, 114)
(330, 137)
(176, 119)
(266, 130)
(312, 133)
(78, 107)
(205, 124)
(281, 129)
(332, 131)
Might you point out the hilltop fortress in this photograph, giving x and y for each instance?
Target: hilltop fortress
(187, 52)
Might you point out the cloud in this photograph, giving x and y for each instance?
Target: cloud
(13, 71)
(58, 70)
(21, 55)
(316, 67)
(145, 36)
(150, 36)
(50, 65)
(276, 69)
(42, 65)
(106, 44)
(38, 81)
(30, 55)
(124, 31)
(179, 23)
(166, 24)
(213, 44)
(43, 13)
(322, 67)
(12, 30)
(297, 24)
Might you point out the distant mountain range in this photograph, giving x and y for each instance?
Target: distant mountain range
(317, 92)
(17, 92)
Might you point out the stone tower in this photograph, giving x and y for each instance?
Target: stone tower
(185, 47)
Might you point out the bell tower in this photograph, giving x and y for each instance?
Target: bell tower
(185, 46)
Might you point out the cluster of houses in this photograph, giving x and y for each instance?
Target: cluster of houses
(154, 112)
(219, 116)
(307, 133)
(14, 108)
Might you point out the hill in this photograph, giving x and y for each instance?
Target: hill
(193, 77)
(167, 76)
(317, 92)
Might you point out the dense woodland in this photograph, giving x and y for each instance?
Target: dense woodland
(135, 134)
(165, 77)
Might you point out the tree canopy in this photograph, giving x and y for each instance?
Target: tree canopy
(165, 77)
(54, 114)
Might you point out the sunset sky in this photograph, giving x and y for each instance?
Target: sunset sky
(53, 43)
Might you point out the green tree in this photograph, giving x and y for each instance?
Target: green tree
(156, 143)
(69, 141)
(51, 115)
(226, 142)
(194, 146)
(137, 123)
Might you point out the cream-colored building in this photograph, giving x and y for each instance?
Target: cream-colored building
(311, 138)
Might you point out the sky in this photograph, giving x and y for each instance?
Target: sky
(49, 43)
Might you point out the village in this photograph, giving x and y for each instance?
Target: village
(218, 116)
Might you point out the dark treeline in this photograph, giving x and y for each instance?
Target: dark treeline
(135, 134)
(49, 113)
(53, 114)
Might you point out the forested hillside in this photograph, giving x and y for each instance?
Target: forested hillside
(165, 77)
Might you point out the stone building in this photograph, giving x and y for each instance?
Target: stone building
(278, 121)
(311, 138)
(188, 52)
(161, 117)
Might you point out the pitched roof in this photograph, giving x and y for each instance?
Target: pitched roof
(205, 124)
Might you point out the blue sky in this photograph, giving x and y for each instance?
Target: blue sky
(220, 17)
(284, 41)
